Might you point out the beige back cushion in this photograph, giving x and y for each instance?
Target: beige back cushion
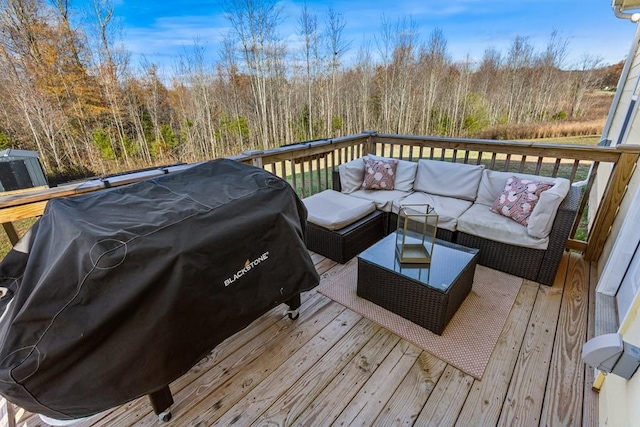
(458, 180)
(351, 175)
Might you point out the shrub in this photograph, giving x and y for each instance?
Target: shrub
(560, 115)
(103, 142)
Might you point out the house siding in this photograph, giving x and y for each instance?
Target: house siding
(619, 397)
(630, 86)
(618, 400)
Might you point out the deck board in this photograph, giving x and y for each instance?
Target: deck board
(252, 404)
(298, 397)
(365, 406)
(333, 399)
(447, 398)
(331, 366)
(523, 403)
(406, 403)
(566, 377)
(484, 404)
(590, 412)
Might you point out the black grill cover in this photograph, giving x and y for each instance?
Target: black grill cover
(113, 295)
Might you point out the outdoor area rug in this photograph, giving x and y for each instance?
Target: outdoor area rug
(468, 339)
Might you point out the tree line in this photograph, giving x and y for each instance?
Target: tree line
(68, 88)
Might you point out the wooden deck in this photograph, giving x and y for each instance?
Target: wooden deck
(334, 367)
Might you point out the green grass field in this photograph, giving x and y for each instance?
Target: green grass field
(572, 140)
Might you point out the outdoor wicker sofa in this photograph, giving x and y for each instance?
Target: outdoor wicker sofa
(462, 195)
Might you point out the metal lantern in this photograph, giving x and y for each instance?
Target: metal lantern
(416, 233)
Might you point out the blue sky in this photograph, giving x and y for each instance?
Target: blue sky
(160, 31)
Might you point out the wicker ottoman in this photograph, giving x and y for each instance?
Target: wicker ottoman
(427, 295)
(340, 226)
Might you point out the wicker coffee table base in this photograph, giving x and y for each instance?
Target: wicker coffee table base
(425, 306)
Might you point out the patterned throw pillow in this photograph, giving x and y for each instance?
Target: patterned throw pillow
(379, 174)
(519, 198)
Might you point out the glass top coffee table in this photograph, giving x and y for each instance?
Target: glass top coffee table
(428, 295)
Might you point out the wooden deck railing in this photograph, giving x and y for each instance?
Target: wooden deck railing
(307, 167)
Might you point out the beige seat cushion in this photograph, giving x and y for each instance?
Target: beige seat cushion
(383, 199)
(479, 221)
(543, 214)
(447, 208)
(334, 210)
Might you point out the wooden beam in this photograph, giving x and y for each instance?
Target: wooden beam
(572, 152)
(16, 213)
(576, 245)
(610, 205)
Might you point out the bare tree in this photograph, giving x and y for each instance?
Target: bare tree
(308, 31)
(337, 46)
(434, 62)
(586, 78)
(255, 23)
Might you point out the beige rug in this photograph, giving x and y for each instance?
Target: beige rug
(468, 339)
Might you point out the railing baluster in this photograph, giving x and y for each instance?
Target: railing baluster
(576, 163)
(466, 157)
(507, 163)
(310, 181)
(326, 172)
(523, 162)
(556, 167)
(492, 165)
(283, 171)
(479, 161)
(302, 178)
(454, 158)
(318, 175)
(293, 174)
(538, 165)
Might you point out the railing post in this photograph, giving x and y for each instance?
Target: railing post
(257, 161)
(609, 206)
(371, 141)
